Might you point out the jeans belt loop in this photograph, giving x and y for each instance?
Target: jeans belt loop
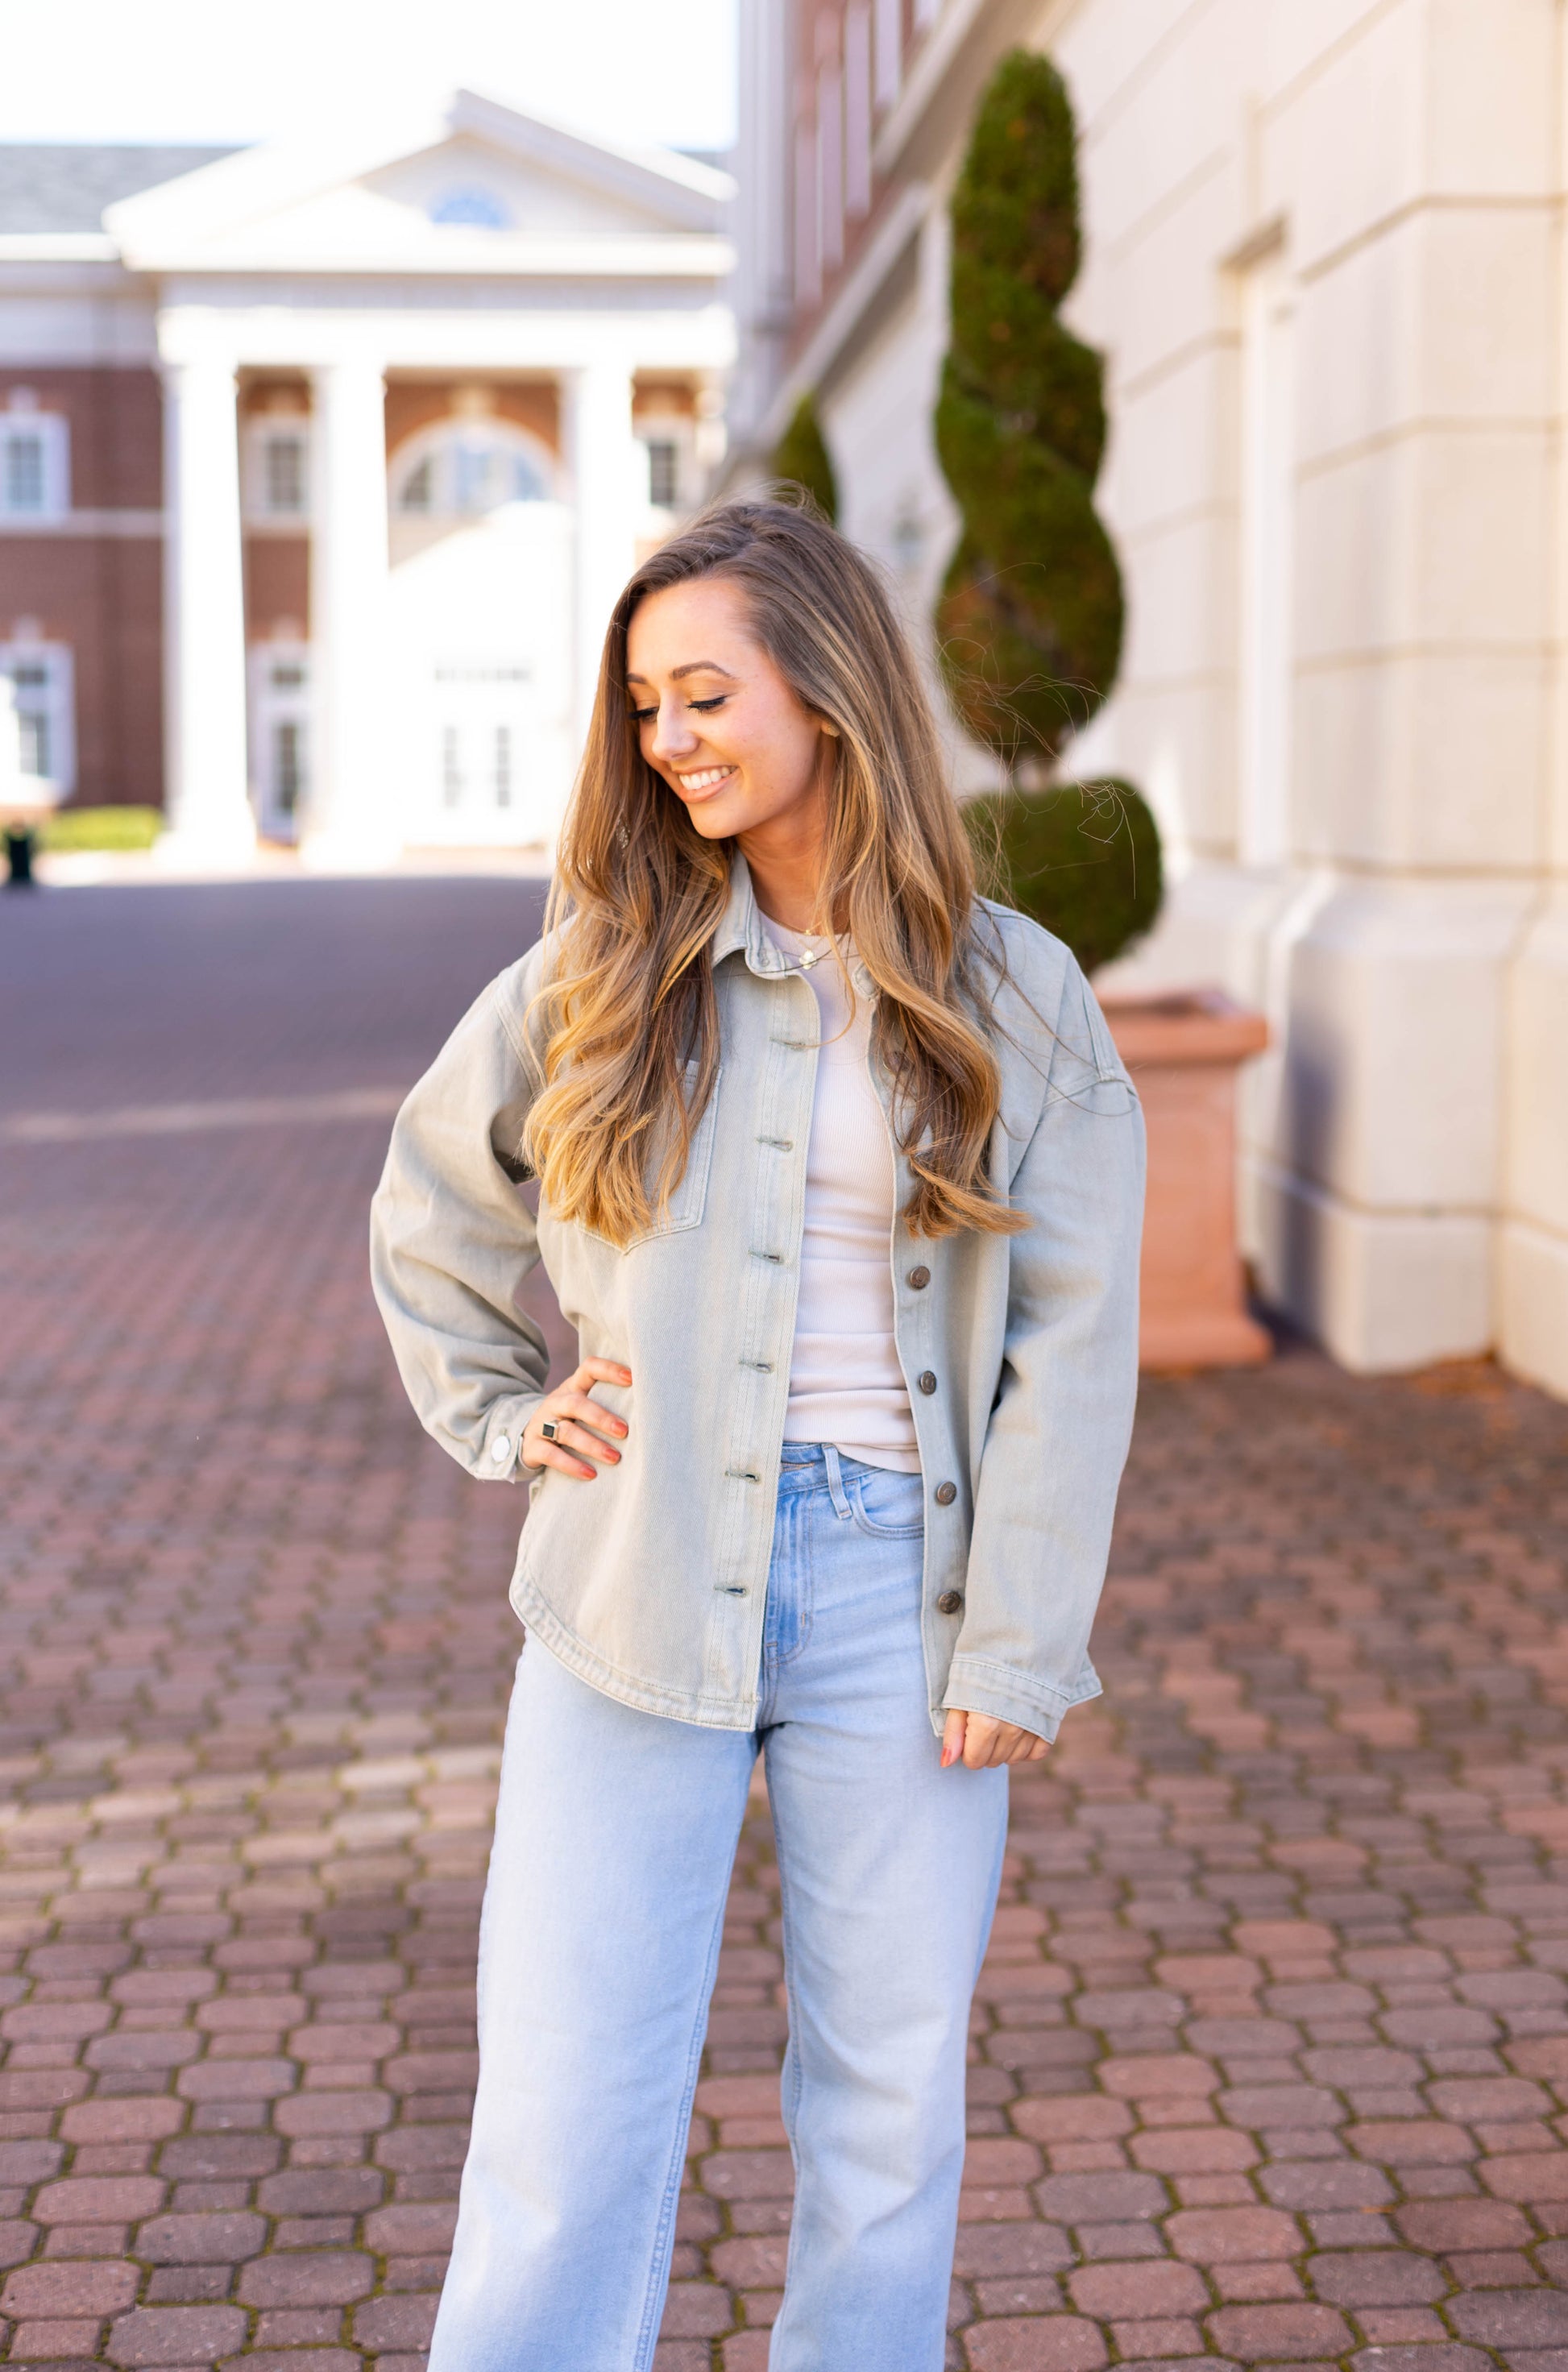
(842, 1507)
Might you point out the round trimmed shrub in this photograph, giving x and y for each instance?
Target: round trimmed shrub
(1082, 859)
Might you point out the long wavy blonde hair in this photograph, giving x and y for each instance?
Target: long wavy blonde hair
(631, 1043)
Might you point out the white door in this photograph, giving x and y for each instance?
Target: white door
(280, 736)
(39, 676)
(480, 602)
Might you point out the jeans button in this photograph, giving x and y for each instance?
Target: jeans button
(919, 1278)
(945, 1493)
(927, 1380)
(950, 1602)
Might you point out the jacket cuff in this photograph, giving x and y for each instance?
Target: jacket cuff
(977, 1685)
(500, 1451)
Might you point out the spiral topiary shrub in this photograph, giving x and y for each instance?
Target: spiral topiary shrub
(1029, 620)
(801, 458)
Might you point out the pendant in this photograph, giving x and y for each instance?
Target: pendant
(807, 957)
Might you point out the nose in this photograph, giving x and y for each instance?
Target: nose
(673, 736)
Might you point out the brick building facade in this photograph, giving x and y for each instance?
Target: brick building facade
(319, 468)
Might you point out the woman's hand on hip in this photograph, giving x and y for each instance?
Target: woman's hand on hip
(585, 1430)
(981, 1743)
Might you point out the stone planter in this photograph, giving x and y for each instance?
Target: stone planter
(1183, 1052)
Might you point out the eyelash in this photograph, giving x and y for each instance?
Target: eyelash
(641, 716)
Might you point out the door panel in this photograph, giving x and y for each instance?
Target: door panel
(482, 634)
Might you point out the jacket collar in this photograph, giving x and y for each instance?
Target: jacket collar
(740, 925)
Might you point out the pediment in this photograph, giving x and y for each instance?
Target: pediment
(479, 187)
(470, 184)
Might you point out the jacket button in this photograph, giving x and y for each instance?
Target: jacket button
(919, 1278)
(945, 1493)
(950, 1602)
(927, 1380)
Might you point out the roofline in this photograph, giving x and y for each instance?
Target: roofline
(160, 226)
(472, 110)
(57, 247)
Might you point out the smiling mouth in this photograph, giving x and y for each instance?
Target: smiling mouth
(704, 779)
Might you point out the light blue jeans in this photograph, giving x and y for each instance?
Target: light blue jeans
(614, 1838)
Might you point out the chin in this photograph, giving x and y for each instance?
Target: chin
(715, 819)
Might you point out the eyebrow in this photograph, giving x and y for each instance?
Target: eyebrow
(692, 667)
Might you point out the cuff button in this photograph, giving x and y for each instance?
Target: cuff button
(501, 1449)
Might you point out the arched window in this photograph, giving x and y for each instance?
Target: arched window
(468, 205)
(464, 468)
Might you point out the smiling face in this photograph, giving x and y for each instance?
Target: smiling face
(717, 719)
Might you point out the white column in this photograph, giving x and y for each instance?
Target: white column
(351, 813)
(608, 493)
(204, 626)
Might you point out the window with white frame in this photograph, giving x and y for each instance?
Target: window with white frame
(39, 683)
(463, 468)
(664, 473)
(35, 461)
(669, 445)
(277, 469)
(280, 735)
(284, 485)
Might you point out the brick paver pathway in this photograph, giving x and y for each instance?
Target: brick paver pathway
(1271, 2055)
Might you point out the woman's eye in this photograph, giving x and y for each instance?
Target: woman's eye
(717, 702)
(641, 716)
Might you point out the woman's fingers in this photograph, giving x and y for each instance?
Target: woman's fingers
(982, 1743)
(591, 1415)
(552, 1453)
(585, 1430)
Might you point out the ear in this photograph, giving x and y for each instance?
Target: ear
(832, 730)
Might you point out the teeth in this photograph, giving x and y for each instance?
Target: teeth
(706, 778)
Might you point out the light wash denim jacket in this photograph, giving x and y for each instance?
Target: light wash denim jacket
(1020, 1351)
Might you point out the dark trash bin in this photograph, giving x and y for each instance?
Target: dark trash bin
(19, 857)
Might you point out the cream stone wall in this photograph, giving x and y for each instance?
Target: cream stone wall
(1395, 166)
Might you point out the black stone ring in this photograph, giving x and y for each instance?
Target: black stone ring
(550, 1427)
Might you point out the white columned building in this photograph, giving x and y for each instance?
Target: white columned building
(427, 400)
(208, 802)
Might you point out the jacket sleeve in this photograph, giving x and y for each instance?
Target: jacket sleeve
(1063, 1418)
(452, 1242)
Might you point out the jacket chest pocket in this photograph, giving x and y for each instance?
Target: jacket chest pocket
(689, 1197)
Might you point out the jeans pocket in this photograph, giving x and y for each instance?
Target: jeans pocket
(890, 1506)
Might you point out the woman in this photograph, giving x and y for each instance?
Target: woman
(840, 1184)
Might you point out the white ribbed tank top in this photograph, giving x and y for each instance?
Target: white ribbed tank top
(845, 1383)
